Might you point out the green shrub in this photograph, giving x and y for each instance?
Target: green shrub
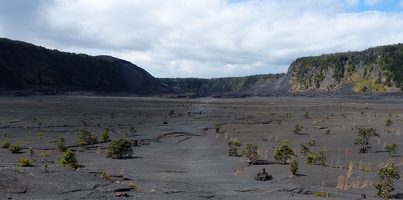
(298, 129)
(14, 148)
(68, 159)
(316, 158)
(171, 112)
(133, 186)
(119, 148)
(86, 138)
(233, 147)
(24, 162)
(294, 167)
(6, 143)
(283, 153)
(388, 122)
(312, 142)
(304, 149)
(391, 148)
(106, 175)
(105, 134)
(250, 152)
(364, 134)
(217, 128)
(60, 144)
(44, 154)
(385, 185)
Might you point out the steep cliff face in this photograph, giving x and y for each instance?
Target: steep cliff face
(377, 69)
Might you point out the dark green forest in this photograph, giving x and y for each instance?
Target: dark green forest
(23, 64)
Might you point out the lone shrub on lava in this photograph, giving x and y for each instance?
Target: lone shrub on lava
(283, 153)
(364, 134)
(294, 167)
(298, 128)
(233, 147)
(316, 158)
(24, 162)
(119, 148)
(86, 138)
(391, 148)
(14, 148)
(250, 152)
(105, 134)
(60, 144)
(385, 186)
(68, 159)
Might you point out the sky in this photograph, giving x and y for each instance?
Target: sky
(204, 38)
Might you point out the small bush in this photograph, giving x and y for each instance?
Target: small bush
(316, 158)
(105, 134)
(6, 143)
(385, 185)
(298, 129)
(304, 149)
(44, 154)
(391, 148)
(388, 122)
(60, 144)
(364, 134)
(106, 175)
(217, 128)
(322, 194)
(171, 112)
(24, 162)
(133, 186)
(68, 159)
(294, 167)
(31, 151)
(119, 148)
(307, 116)
(14, 148)
(86, 138)
(250, 152)
(233, 147)
(312, 142)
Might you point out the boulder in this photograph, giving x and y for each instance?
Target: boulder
(263, 176)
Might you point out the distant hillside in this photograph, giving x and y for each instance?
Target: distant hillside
(377, 69)
(23, 64)
(217, 86)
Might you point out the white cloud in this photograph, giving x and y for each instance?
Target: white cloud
(372, 2)
(209, 38)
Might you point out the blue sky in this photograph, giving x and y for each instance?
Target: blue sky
(378, 5)
(204, 38)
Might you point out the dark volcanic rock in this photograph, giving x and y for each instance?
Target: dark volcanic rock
(263, 176)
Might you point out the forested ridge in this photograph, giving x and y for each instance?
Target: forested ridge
(375, 69)
(23, 64)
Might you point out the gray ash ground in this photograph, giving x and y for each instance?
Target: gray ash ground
(183, 159)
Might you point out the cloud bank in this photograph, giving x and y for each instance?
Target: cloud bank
(204, 38)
